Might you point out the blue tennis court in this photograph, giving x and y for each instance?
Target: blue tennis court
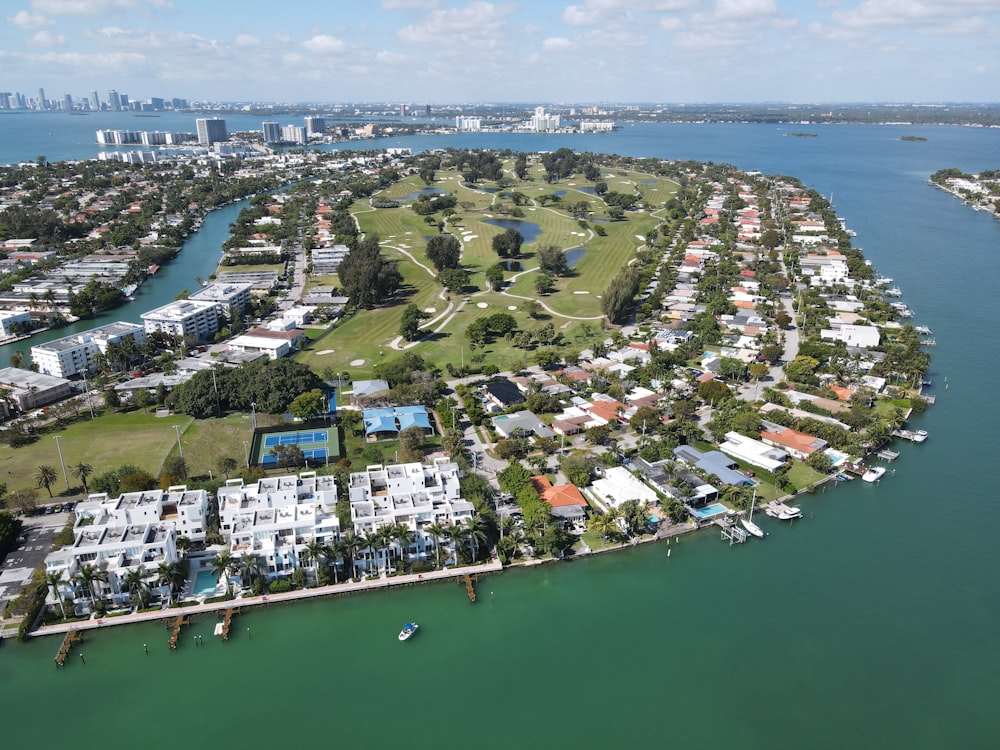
(297, 438)
(312, 453)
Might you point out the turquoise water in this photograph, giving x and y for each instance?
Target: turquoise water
(710, 510)
(874, 621)
(205, 583)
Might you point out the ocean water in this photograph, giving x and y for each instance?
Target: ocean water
(871, 622)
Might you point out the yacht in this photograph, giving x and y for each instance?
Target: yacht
(408, 629)
(790, 512)
(748, 523)
(873, 474)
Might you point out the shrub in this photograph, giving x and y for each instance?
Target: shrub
(279, 586)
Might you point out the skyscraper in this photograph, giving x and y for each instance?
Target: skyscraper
(315, 125)
(272, 131)
(114, 101)
(211, 130)
(95, 100)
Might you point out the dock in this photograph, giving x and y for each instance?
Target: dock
(175, 629)
(469, 588)
(73, 636)
(777, 509)
(227, 621)
(913, 437)
(731, 532)
(887, 455)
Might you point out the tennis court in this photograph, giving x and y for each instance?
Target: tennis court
(316, 446)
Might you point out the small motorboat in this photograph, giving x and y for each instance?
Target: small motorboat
(919, 436)
(408, 629)
(873, 474)
(789, 513)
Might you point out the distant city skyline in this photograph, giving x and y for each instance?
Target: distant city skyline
(448, 51)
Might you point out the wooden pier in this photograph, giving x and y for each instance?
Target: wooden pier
(175, 629)
(227, 621)
(469, 588)
(73, 636)
(887, 455)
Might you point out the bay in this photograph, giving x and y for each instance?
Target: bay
(872, 622)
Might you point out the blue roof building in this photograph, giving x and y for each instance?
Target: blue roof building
(387, 423)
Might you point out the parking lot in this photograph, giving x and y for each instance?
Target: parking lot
(35, 543)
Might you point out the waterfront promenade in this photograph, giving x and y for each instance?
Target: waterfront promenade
(95, 623)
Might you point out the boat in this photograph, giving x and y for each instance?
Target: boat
(408, 629)
(152, 269)
(919, 436)
(789, 512)
(873, 474)
(748, 523)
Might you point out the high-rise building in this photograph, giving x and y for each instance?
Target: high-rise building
(315, 126)
(124, 101)
(5, 100)
(67, 102)
(95, 101)
(211, 130)
(272, 131)
(402, 110)
(43, 103)
(114, 101)
(294, 134)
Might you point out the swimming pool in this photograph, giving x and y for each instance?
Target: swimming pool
(205, 583)
(710, 511)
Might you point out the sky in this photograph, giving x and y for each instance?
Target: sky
(473, 51)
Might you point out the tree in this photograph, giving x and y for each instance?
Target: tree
(544, 283)
(171, 574)
(402, 535)
(411, 442)
(645, 419)
(17, 358)
(53, 580)
(714, 391)
(436, 531)
(552, 260)
(314, 552)
(135, 583)
(494, 277)
(308, 405)
(368, 278)
(454, 279)
(598, 434)
(111, 398)
(409, 326)
(617, 298)
(141, 399)
(45, 476)
(223, 564)
(532, 307)
(508, 243)
(82, 471)
(821, 462)
(444, 251)
(250, 568)
(227, 465)
(88, 577)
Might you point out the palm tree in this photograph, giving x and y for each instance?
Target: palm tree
(250, 567)
(457, 534)
(476, 534)
(437, 531)
(402, 535)
(314, 552)
(332, 553)
(350, 544)
(135, 582)
(371, 540)
(81, 471)
(224, 564)
(171, 574)
(53, 580)
(88, 576)
(45, 476)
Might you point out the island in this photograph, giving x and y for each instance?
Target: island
(409, 367)
(980, 191)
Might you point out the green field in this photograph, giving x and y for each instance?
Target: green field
(370, 334)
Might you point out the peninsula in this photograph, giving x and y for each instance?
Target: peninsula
(487, 358)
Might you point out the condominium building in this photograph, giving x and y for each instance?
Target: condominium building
(414, 495)
(14, 323)
(271, 132)
(211, 130)
(230, 299)
(544, 123)
(74, 355)
(315, 126)
(196, 318)
(277, 518)
(294, 134)
(468, 124)
(115, 536)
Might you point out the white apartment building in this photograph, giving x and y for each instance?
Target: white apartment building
(9, 321)
(74, 355)
(468, 124)
(196, 318)
(414, 495)
(544, 123)
(136, 531)
(276, 518)
(229, 298)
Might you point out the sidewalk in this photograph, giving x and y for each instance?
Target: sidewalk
(340, 588)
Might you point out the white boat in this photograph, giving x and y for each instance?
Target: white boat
(748, 523)
(408, 629)
(790, 512)
(873, 474)
(919, 436)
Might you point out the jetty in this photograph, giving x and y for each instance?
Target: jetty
(777, 509)
(222, 628)
(887, 455)
(73, 636)
(914, 436)
(731, 532)
(175, 629)
(468, 580)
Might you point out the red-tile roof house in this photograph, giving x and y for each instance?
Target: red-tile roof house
(843, 393)
(798, 444)
(565, 499)
(607, 410)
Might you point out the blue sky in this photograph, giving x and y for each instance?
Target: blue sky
(455, 51)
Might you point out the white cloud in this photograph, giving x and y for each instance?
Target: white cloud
(46, 38)
(408, 4)
(115, 63)
(97, 8)
(924, 13)
(324, 44)
(388, 57)
(471, 29)
(744, 9)
(596, 12)
(246, 40)
(557, 44)
(26, 20)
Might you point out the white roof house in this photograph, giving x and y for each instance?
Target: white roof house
(753, 452)
(619, 485)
